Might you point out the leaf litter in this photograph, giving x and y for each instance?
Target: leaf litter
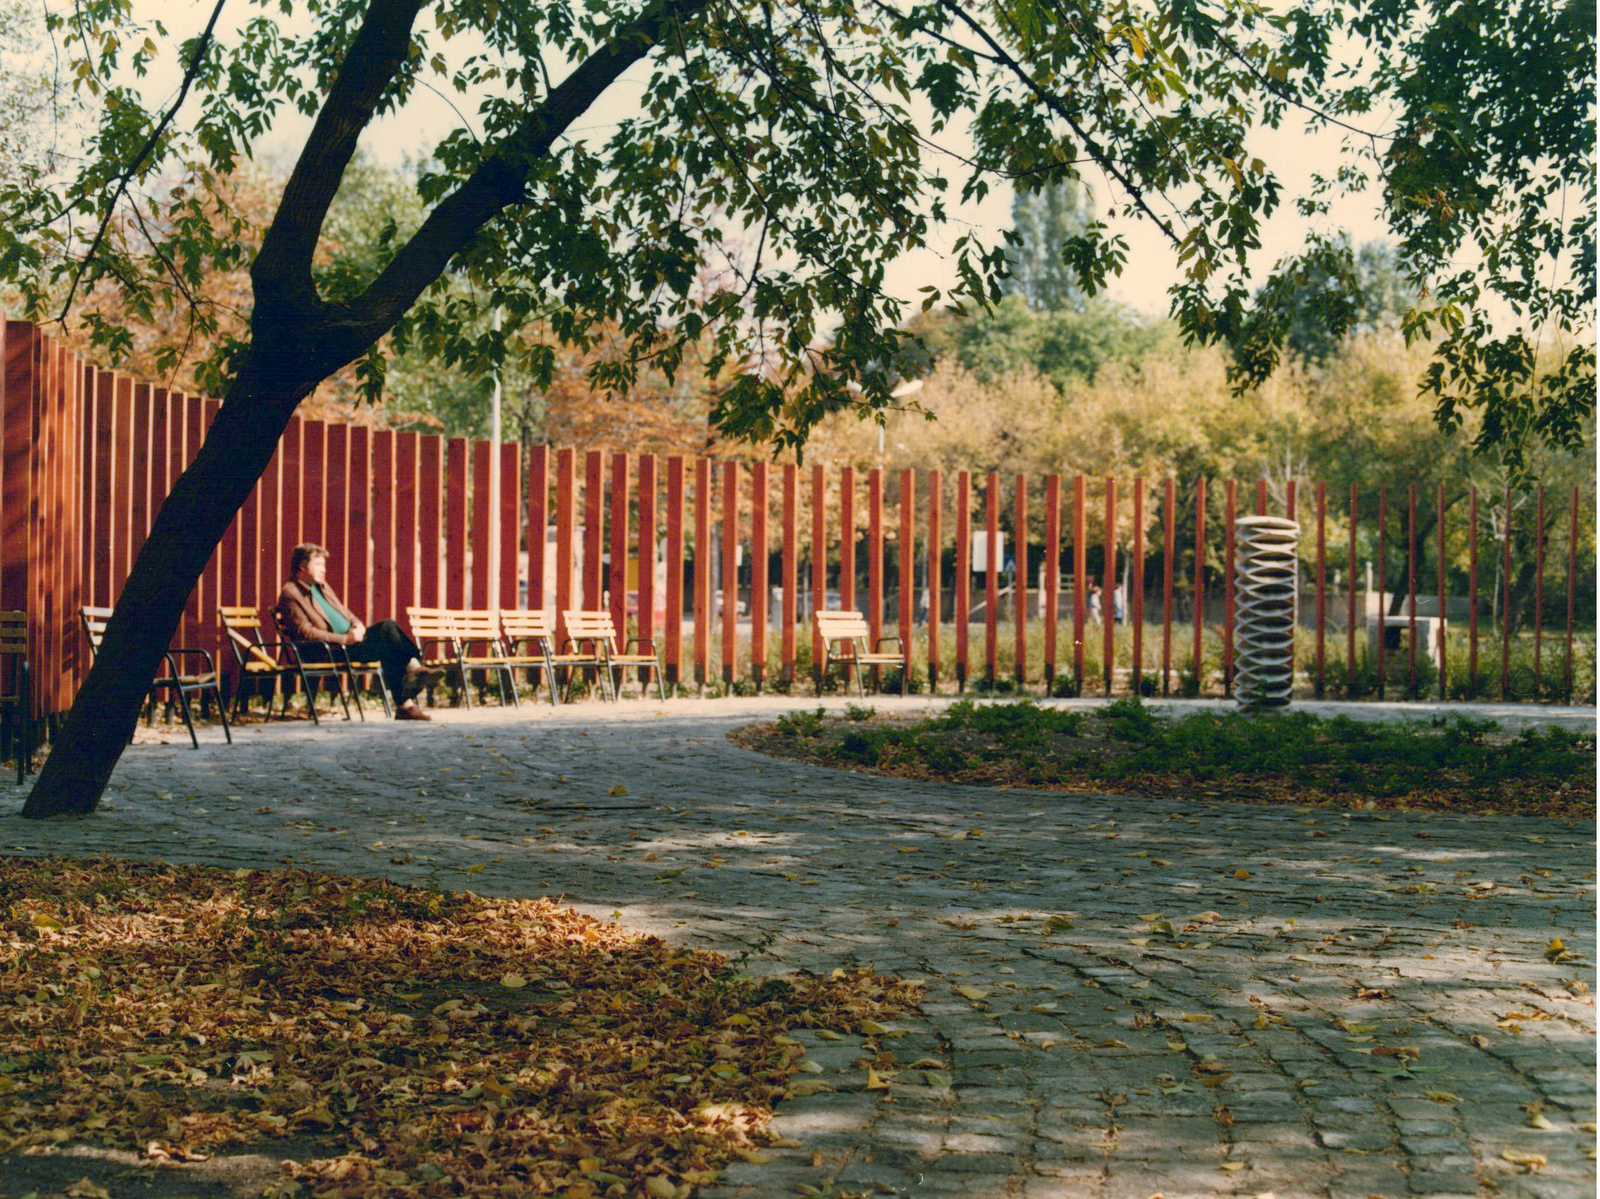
(433, 1043)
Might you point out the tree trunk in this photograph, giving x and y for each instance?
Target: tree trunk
(187, 529)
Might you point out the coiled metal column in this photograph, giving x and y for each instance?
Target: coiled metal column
(1265, 598)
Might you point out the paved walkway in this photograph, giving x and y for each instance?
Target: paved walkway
(1125, 997)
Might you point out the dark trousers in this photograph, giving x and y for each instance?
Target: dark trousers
(385, 643)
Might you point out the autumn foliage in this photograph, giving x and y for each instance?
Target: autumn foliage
(431, 1044)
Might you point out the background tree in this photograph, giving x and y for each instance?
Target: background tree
(797, 124)
(1045, 224)
(1360, 292)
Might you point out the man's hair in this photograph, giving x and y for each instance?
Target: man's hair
(303, 553)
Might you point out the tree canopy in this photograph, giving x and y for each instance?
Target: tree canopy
(775, 158)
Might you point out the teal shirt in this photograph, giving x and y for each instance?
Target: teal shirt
(336, 620)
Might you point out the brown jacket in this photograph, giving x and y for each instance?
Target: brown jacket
(299, 619)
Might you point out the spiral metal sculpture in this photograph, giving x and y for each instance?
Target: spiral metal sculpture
(1266, 593)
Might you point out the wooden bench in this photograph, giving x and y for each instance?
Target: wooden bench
(850, 631)
(525, 636)
(175, 682)
(260, 660)
(463, 640)
(599, 630)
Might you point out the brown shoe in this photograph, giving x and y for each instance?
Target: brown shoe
(411, 713)
(419, 680)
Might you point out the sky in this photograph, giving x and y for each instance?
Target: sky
(1151, 269)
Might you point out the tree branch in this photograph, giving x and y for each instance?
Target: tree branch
(282, 271)
(501, 179)
(150, 143)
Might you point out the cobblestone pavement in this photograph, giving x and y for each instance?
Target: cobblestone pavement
(1125, 997)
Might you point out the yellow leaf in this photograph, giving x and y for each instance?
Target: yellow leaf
(872, 1028)
(1233, 1165)
(658, 1187)
(512, 981)
(973, 993)
(478, 869)
(827, 1034)
(808, 1086)
(910, 849)
(1521, 1157)
(875, 1081)
(1441, 1096)
(1241, 874)
(619, 789)
(754, 1156)
(1138, 940)
(1541, 1121)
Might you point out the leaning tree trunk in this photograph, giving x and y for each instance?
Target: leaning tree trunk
(186, 530)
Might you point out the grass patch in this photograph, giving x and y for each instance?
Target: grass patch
(1452, 763)
(419, 1043)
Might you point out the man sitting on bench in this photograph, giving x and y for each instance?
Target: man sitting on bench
(311, 615)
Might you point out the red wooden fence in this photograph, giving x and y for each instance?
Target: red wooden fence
(88, 457)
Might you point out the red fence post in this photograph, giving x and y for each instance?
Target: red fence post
(593, 527)
(847, 539)
(140, 477)
(1505, 606)
(383, 530)
(1472, 592)
(1080, 576)
(1383, 613)
(791, 569)
(647, 549)
(510, 500)
(1322, 587)
(1439, 578)
(1350, 627)
(358, 550)
(908, 570)
(480, 506)
(963, 579)
(1261, 497)
(1019, 590)
(673, 617)
(874, 557)
(121, 485)
(1230, 514)
(619, 547)
(730, 572)
(291, 445)
(430, 522)
(819, 566)
(1050, 599)
(566, 535)
(313, 480)
(1169, 522)
(1538, 592)
(1572, 579)
(704, 555)
(1136, 585)
(935, 574)
(405, 524)
(1411, 590)
(991, 577)
(1199, 584)
(759, 504)
(336, 504)
(538, 526)
(1108, 587)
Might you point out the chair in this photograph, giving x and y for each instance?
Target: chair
(597, 628)
(447, 638)
(525, 635)
(175, 681)
(14, 690)
(310, 664)
(850, 630)
(262, 661)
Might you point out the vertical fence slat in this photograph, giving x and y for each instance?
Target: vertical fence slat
(1538, 592)
(819, 564)
(935, 550)
(703, 558)
(291, 445)
(358, 547)
(1136, 586)
(1383, 607)
(270, 558)
(593, 528)
(1230, 514)
(1411, 589)
(620, 467)
(479, 508)
(140, 478)
(847, 539)
(1505, 604)
(1439, 579)
(1199, 584)
(730, 571)
(510, 525)
(647, 549)
(405, 524)
(1322, 588)
(313, 480)
(1019, 589)
(991, 575)
(963, 579)
(1572, 582)
(430, 518)
(1080, 570)
(874, 556)
(1472, 591)
(1108, 588)
(1050, 599)
(566, 535)
(336, 514)
(121, 485)
(383, 526)
(759, 578)
(206, 637)
(193, 433)
(1169, 544)
(102, 412)
(538, 526)
(673, 659)
(1350, 627)
(1261, 497)
(908, 571)
(791, 568)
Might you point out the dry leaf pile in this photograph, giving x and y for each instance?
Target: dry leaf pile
(440, 1044)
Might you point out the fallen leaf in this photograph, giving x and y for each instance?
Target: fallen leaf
(512, 981)
(875, 1081)
(972, 993)
(1521, 1157)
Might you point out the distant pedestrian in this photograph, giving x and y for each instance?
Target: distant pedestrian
(1094, 603)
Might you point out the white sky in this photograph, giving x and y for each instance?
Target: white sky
(1151, 268)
